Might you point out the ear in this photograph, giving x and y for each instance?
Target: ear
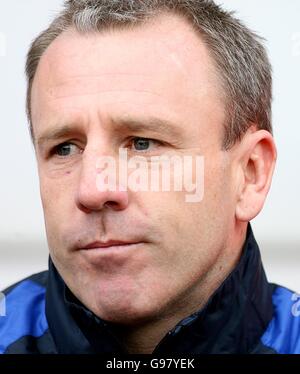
(257, 158)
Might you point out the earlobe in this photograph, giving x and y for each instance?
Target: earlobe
(257, 165)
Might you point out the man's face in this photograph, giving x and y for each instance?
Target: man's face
(94, 94)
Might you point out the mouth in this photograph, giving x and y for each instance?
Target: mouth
(111, 244)
(111, 253)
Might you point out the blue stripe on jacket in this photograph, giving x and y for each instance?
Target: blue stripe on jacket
(283, 332)
(25, 314)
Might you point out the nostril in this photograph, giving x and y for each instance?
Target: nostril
(85, 209)
(89, 199)
(113, 205)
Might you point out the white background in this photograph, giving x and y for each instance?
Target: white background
(23, 247)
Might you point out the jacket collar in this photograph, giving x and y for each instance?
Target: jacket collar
(232, 321)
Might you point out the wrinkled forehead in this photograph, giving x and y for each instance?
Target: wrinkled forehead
(166, 46)
(162, 63)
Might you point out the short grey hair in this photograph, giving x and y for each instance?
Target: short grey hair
(240, 57)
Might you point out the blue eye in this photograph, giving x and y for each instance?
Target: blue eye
(65, 149)
(142, 144)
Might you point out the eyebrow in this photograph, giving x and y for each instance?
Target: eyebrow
(153, 124)
(55, 134)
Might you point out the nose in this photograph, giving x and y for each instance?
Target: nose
(94, 193)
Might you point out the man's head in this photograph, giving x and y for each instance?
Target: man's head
(239, 58)
(176, 78)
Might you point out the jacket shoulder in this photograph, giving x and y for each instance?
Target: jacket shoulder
(283, 332)
(23, 310)
(39, 278)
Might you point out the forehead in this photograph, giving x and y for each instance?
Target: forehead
(163, 62)
(169, 38)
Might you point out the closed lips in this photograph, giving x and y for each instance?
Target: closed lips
(107, 244)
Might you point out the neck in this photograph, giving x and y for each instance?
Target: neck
(144, 338)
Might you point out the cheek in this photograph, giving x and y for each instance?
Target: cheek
(200, 224)
(218, 203)
(56, 193)
(57, 206)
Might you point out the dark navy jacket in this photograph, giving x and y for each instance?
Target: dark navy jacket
(245, 315)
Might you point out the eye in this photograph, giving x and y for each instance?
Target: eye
(143, 144)
(66, 149)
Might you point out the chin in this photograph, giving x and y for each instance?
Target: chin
(124, 316)
(125, 310)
